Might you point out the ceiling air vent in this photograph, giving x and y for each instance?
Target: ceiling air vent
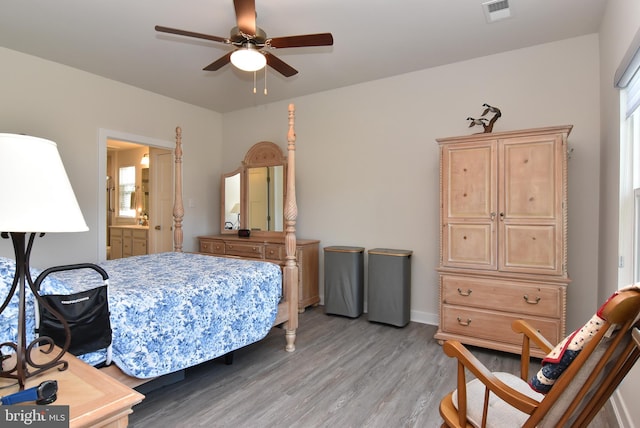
(496, 10)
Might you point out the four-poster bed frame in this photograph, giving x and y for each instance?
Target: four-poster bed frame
(288, 307)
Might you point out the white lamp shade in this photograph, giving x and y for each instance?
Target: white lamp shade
(35, 192)
(248, 59)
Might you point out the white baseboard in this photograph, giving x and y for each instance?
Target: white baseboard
(620, 411)
(424, 317)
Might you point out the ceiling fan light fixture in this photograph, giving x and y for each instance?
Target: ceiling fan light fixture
(248, 58)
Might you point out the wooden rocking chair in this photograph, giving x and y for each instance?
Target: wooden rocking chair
(578, 394)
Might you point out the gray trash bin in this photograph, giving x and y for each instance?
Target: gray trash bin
(344, 281)
(389, 293)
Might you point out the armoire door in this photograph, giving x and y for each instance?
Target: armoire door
(469, 205)
(530, 195)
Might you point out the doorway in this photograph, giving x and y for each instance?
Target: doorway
(116, 150)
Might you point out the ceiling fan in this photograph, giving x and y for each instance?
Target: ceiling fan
(252, 44)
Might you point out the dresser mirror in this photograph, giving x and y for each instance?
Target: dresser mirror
(252, 197)
(230, 200)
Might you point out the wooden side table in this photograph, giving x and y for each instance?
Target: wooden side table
(94, 398)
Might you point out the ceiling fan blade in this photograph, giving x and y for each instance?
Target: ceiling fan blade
(191, 34)
(246, 16)
(279, 65)
(320, 39)
(219, 63)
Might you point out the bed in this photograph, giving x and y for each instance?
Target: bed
(160, 325)
(170, 311)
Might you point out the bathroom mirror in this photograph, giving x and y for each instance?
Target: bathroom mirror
(252, 196)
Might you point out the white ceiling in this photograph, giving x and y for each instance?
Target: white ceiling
(373, 39)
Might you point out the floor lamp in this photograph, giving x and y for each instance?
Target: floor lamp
(35, 198)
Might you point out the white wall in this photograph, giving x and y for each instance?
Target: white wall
(619, 26)
(367, 157)
(69, 106)
(367, 160)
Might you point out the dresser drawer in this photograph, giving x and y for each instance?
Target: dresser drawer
(255, 251)
(274, 252)
(211, 247)
(504, 295)
(495, 326)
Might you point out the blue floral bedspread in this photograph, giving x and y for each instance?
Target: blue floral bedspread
(169, 311)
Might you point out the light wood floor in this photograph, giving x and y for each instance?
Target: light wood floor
(344, 373)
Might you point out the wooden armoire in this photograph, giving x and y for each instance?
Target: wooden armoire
(503, 236)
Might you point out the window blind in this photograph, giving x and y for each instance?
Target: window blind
(628, 77)
(633, 94)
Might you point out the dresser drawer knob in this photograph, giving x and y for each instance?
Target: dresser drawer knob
(464, 323)
(464, 293)
(530, 301)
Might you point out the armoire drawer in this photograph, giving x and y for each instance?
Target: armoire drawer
(504, 295)
(495, 326)
(245, 250)
(211, 247)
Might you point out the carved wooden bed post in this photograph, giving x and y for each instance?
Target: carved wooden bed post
(290, 272)
(178, 206)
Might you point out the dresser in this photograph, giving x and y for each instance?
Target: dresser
(272, 249)
(127, 241)
(503, 236)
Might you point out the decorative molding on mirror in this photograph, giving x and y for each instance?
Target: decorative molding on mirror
(264, 153)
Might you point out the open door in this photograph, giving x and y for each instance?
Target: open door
(161, 200)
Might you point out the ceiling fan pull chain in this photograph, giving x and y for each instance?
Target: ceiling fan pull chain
(254, 82)
(265, 80)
